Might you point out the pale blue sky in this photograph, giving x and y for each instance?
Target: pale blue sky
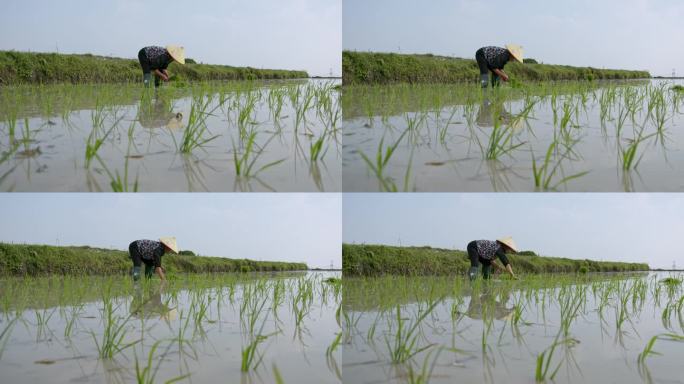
(282, 227)
(291, 34)
(628, 34)
(623, 227)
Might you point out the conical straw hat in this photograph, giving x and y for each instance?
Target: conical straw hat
(508, 241)
(169, 242)
(178, 53)
(516, 51)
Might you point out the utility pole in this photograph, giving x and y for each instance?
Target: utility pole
(674, 73)
(331, 264)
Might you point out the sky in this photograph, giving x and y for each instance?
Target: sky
(623, 34)
(610, 227)
(292, 34)
(275, 227)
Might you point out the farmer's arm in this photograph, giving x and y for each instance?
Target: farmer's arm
(497, 266)
(502, 256)
(161, 73)
(158, 268)
(160, 272)
(501, 74)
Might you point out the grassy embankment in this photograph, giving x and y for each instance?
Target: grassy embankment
(41, 260)
(46, 68)
(383, 68)
(375, 260)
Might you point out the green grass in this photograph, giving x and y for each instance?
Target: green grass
(44, 68)
(372, 67)
(374, 260)
(38, 260)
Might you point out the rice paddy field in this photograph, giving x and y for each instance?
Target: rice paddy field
(247, 328)
(622, 328)
(212, 136)
(547, 136)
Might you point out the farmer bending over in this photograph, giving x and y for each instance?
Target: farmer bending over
(484, 251)
(155, 60)
(150, 252)
(493, 59)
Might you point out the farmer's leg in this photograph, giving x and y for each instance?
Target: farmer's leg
(157, 81)
(474, 263)
(137, 260)
(149, 269)
(482, 64)
(145, 65)
(495, 80)
(486, 269)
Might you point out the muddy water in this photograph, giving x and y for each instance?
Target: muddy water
(38, 347)
(45, 134)
(445, 139)
(597, 350)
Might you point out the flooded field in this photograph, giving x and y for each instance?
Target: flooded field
(275, 328)
(564, 329)
(566, 136)
(228, 136)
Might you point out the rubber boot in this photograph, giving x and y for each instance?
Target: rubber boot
(136, 273)
(147, 78)
(472, 273)
(484, 80)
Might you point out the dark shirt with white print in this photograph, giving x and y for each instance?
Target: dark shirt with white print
(150, 250)
(496, 57)
(157, 57)
(488, 250)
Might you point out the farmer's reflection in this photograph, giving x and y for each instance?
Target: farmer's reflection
(147, 304)
(156, 113)
(484, 304)
(489, 111)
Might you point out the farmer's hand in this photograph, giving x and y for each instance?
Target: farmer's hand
(504, 77)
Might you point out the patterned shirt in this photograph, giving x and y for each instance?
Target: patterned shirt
(158, 57)
(496, 57)
(488, 250)
(150, 250)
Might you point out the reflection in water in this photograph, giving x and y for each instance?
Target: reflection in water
(485, 305)
(126, 138)
(576, 136)
(496, 331)
(147, 303)
(158, 112)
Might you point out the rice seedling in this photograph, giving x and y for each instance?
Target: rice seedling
(244, 164)
(428, 366)
(335, 343)
(251, 357)
(544, 360)
(629, 155)
(196, 129)
(403, 345)
(382, 158)
(501, 141)
(648, 349)
(5, 334)
(544, 173)
(146, 374)
(115, 328)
